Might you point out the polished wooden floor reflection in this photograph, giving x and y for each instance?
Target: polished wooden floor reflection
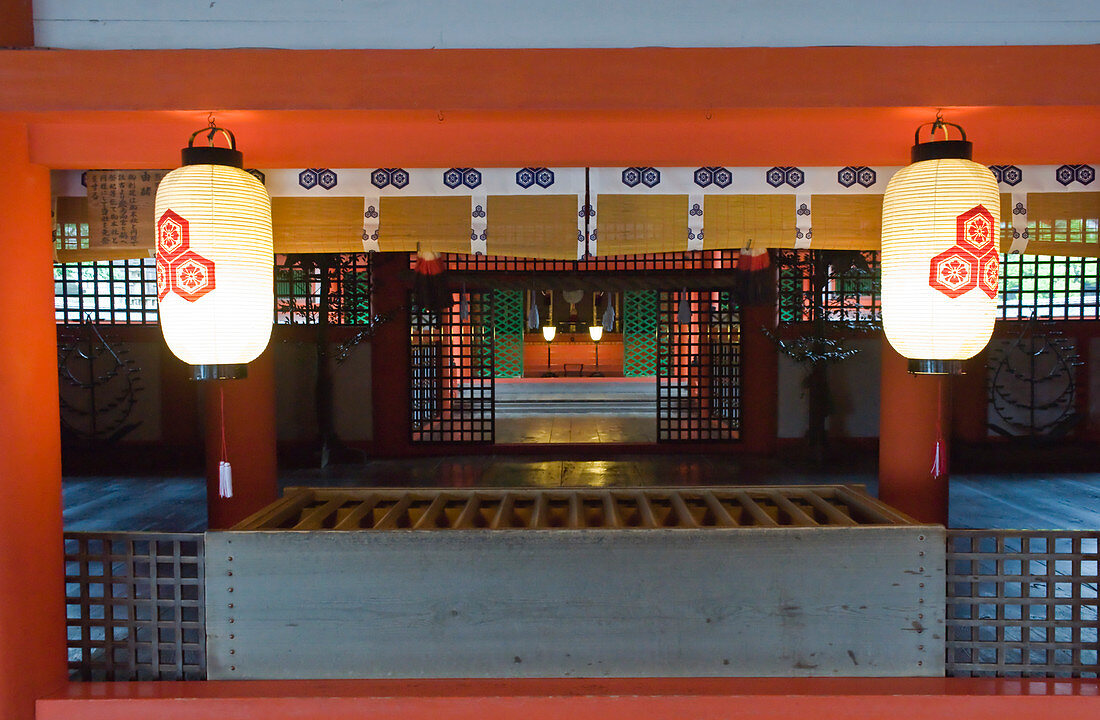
(552, 411)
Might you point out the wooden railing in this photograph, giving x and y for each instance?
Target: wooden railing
(136, 607)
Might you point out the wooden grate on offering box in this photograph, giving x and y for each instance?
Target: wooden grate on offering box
(573, 508)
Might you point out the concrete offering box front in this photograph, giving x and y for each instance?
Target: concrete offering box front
(510, 583)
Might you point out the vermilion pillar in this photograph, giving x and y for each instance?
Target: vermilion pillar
(970, 401)
(915, 411)
(249, 406)
(32, 601)
(390, 354)
(759, 379)
(16, 23)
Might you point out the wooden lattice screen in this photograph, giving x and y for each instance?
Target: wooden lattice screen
(1022, 603)
(640, 333)
(451, 374)
(508, 324)
(698, 367)
(135, 606)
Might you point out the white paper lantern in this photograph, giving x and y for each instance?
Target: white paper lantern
(940, 256)
(214, 261)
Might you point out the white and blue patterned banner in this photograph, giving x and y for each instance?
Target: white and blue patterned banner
(418, 182)
(372, 184)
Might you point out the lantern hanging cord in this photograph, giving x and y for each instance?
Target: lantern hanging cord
(211, 131)
(939, 453)
(225, 470)
(939, 124)
(221, 398)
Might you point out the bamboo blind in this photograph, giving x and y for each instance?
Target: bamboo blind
(638, 224)
(1060, 223)
(543, 226)
(1006, 222)
(739, 221)
(564, 508)
(1064, 224)
(430, 224)
(847, 222)
(317, 225)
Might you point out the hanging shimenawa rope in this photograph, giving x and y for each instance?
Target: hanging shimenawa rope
(225, 471)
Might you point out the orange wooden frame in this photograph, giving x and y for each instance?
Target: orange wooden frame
(737, 106)
(652, 106)
(621, 699)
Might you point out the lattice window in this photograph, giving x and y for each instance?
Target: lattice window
(108, 291)
(341, 283)
(135, 606)
(701, 260)
(451, 378)
(1052, 287)
(842, 285)
(698, 367)
(508, 322)
(1022, 604)
(640, 333)
(71, 236)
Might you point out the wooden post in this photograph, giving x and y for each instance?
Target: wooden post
(32, 584)
(970, 401)
(914, 410)
(390, 355)
(250, 441)
(16, 23)
(759, 378)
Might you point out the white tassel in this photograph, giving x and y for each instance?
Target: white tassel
(939, 459)
(225, 479)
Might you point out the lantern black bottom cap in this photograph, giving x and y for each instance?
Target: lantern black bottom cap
(219, 372)
(936, 367)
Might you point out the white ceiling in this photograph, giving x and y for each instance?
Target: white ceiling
(324, 24)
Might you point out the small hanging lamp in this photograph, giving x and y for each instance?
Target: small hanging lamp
(215, 281)
(940, 254)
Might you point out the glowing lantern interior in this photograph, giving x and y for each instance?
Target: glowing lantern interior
(214, 264)
(940, 259)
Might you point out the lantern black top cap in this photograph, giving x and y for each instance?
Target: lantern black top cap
(941, 149)
(211, 154)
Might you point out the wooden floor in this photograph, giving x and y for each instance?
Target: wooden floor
(1052, 501)
(567, 410)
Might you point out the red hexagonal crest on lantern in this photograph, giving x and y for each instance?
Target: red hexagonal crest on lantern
(974, 229)
(953, 272)
(192, 276)
(164, 279)
(989, 272)
(172, 236)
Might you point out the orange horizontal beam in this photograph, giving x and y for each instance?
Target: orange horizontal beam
(740, 138)
(644, 106)
(563, 79)
(617, 699)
